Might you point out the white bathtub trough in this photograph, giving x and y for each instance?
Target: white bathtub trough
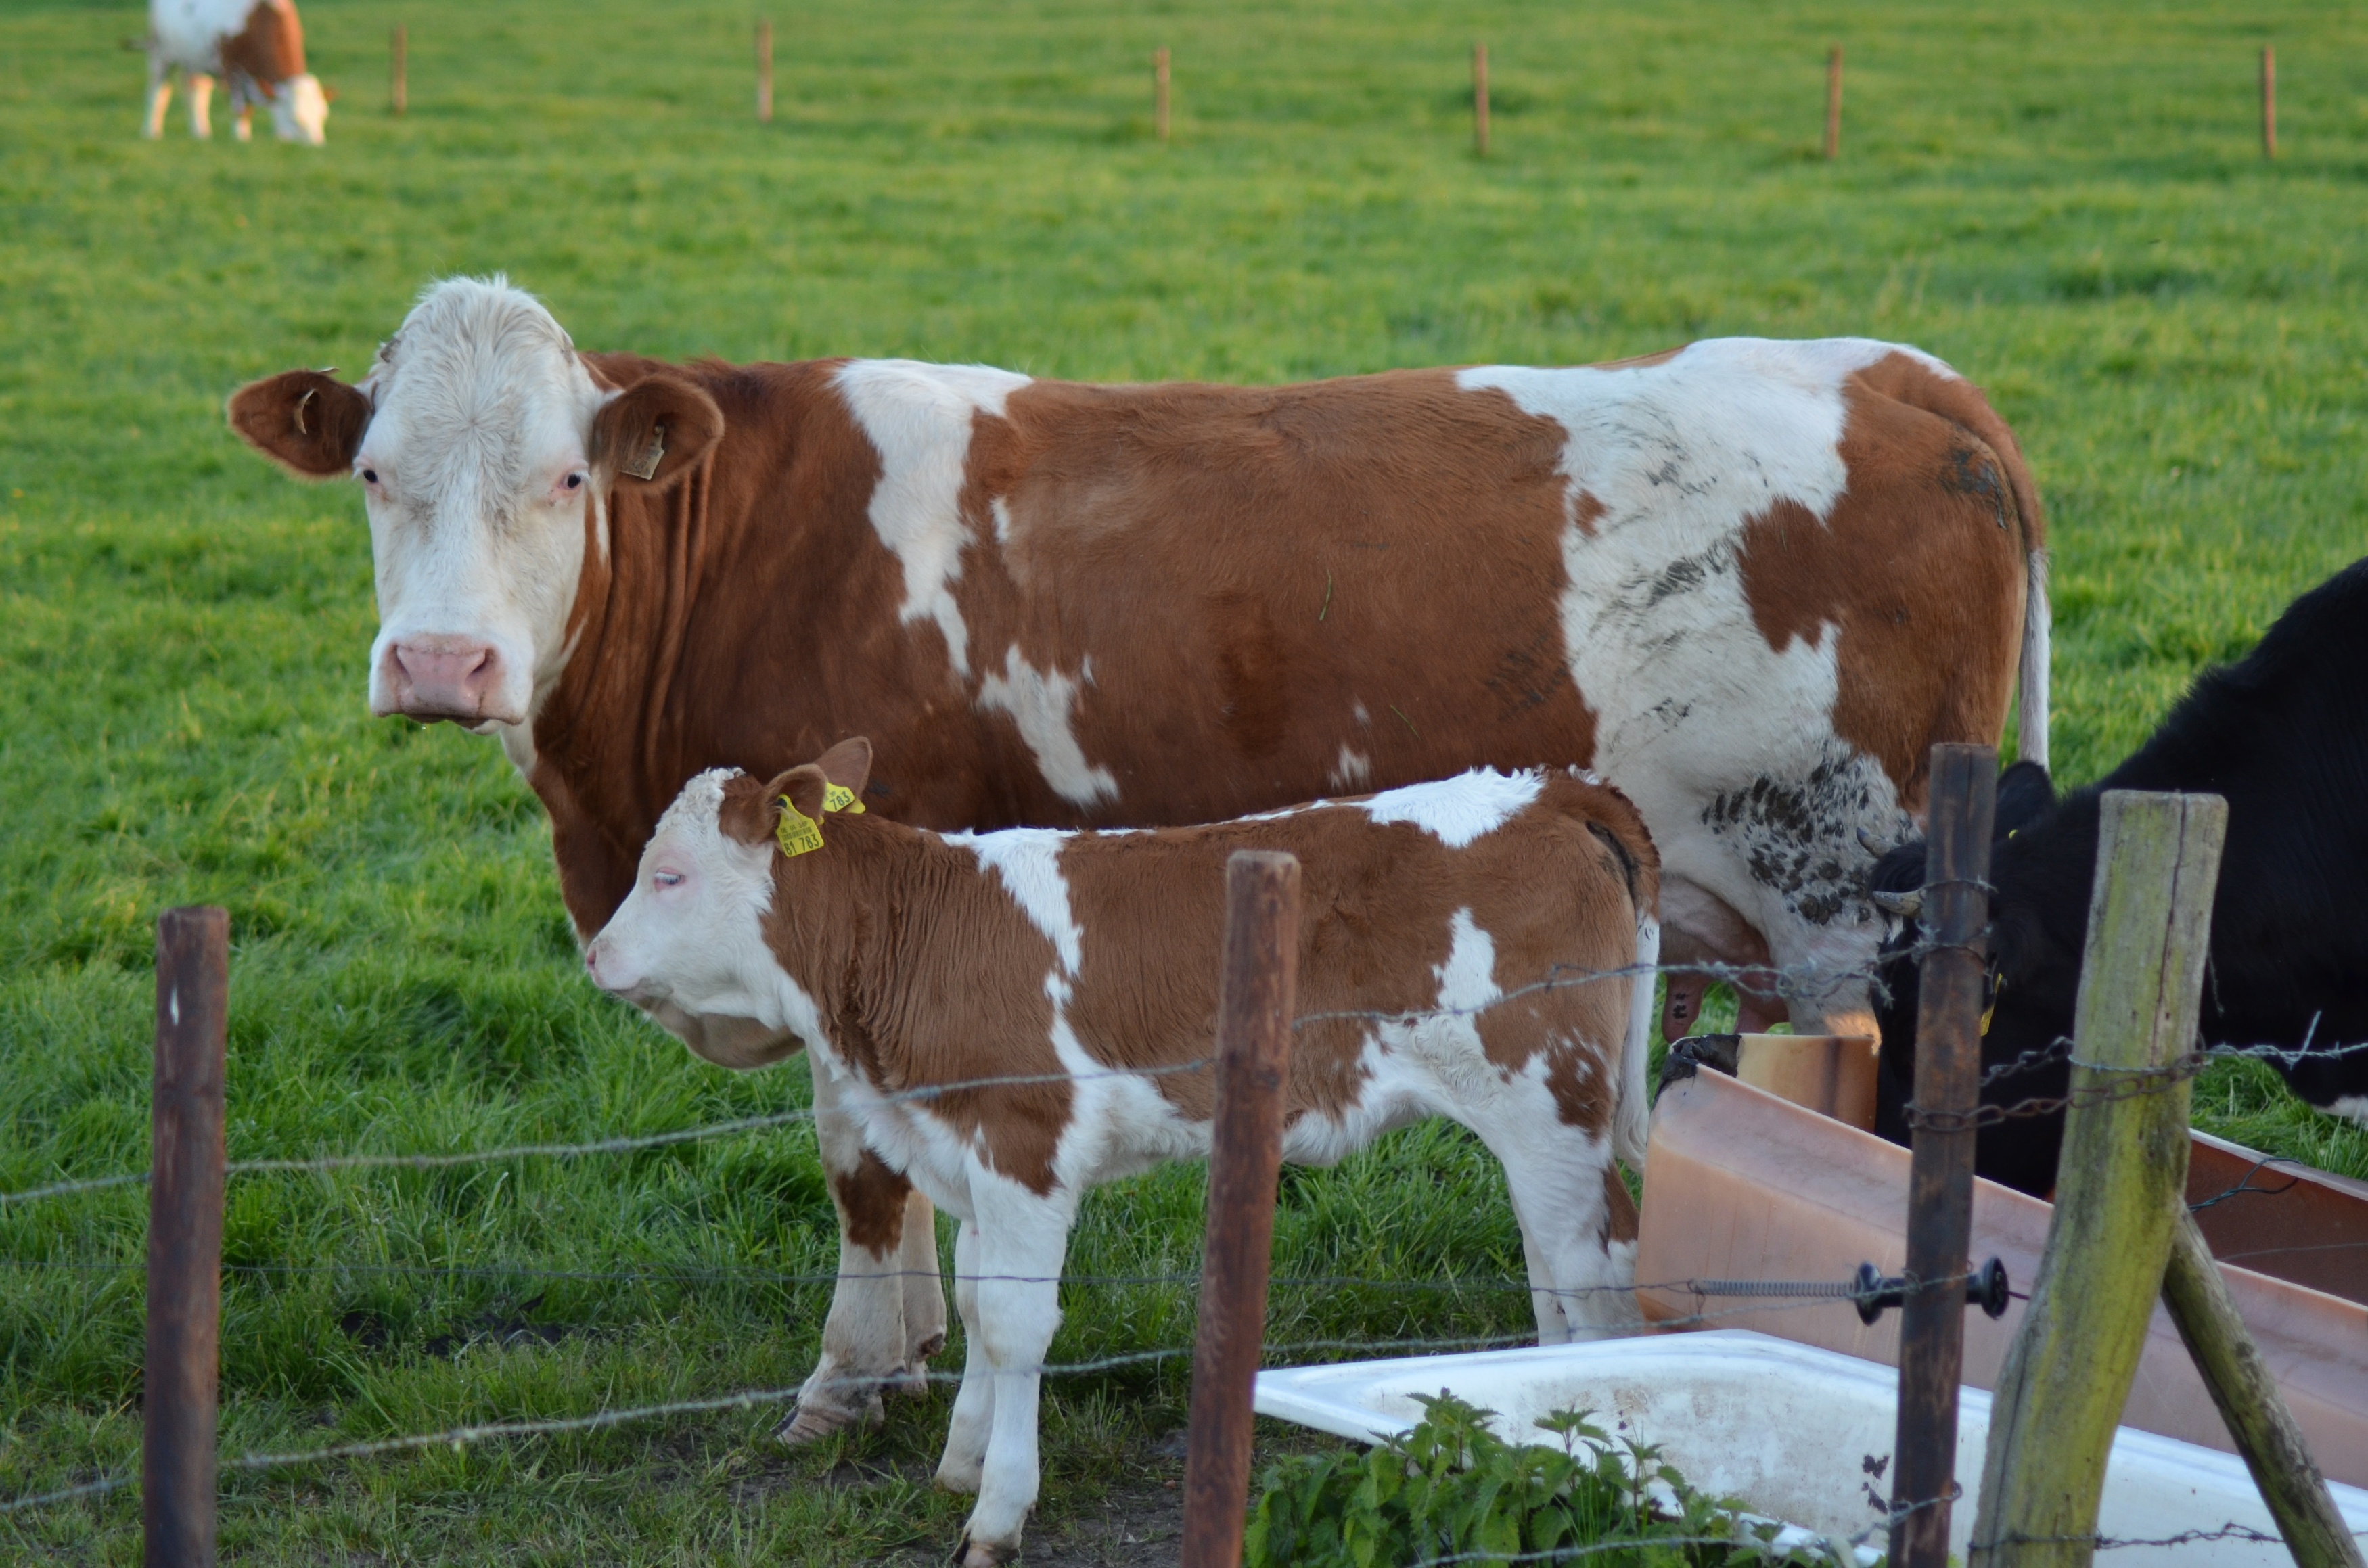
(1798, 1434)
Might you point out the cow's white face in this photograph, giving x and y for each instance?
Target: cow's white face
(478, 481)
(690, 935)
(299, 110)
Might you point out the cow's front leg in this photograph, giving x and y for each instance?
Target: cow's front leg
(965, 1461)
(1021, 1240)
(867, 1341)
(201, 98)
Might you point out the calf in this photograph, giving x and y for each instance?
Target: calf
(2282, 734)
(912, 961)
(256, 46)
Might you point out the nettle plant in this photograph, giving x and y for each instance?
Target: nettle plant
(1451, 1489)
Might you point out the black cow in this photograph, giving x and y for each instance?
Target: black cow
(2282, 734)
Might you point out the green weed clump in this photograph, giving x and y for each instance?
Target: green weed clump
(1453, 1489)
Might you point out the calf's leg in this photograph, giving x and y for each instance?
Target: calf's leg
(1578, 1225)
(925, 1294)
(1023, 1238)
(868, 1342)
(965, 1457)
(201, 97)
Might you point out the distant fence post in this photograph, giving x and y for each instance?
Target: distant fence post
(1940, 1177)
(185, 1225)
(764, 71)
(1159, 92)
(398, 70)
(1834, 104)
(2119, 1189)
(1254, 1008)
(1480, 98)
(2269, 102)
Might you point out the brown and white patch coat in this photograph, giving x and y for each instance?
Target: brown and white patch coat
(1085, 965)
(256, 46)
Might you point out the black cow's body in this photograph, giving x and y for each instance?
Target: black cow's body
(2283, 735)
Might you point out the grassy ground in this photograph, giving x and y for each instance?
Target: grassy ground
(2066, 202)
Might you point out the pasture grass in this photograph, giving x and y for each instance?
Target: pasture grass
(2066, 202)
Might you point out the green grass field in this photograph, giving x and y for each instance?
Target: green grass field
(2066, 202)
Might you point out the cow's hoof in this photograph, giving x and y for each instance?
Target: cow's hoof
(969, 1553)
(812, 1422)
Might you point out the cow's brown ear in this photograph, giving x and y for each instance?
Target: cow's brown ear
(308, 422)
(848, 766)
(752, 812)
(656, 431)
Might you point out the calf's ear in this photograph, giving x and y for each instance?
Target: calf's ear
(848, 766)
(751, 812)
(308, 422)
(656, 431)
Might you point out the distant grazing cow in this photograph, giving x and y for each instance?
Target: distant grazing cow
(254, 46)
(909, 962)
(1750, 582)
(2283, 735)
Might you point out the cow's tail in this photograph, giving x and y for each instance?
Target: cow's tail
(1632, 1124)
(2038, 619)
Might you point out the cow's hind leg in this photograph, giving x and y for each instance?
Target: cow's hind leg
(160, 96)
(1579, 1233)
(925, 1295)
(201, 97)
(864, 1344)
(1023, 1238)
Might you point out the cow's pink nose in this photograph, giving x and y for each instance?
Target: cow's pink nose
(600, 963)
(444, 677)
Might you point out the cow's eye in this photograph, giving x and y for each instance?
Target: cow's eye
(667, 879)
(575, 482)
(369, 476)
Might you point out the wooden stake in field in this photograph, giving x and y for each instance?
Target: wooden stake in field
(1254, 1006)
(398, 70)
(2120, 1187)
(1159, 92)
(764, 71)
(185, 1226)
(1480, 98)
(1940, 1177)
(1834, 104)
(2269, 102)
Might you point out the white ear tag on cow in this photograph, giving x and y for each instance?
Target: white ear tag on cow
(798, 833)
(647, 465)
(839, 798)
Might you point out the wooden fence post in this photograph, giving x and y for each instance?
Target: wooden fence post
(1159, 92)
(398, 70)
(764, 71)
(1941, 1179)
(1480, 98)
(2251, 1405)
(185, 1224)
(2119, 1188)
(1254, 1008)
(1834, 104)
(2269, 102)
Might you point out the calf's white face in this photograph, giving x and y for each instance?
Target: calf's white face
(299, 110)
(690, 935)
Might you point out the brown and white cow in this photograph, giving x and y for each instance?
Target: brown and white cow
(254, 46)
(1748, 581)
(911, 963)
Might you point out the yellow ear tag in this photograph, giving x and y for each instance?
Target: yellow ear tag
(798, 833)
(839, 798)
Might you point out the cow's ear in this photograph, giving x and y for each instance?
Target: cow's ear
(848, 766)
(307, 421)
(752, 812)
(656, 431)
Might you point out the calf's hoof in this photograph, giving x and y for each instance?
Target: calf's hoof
(970, 1553)
(812, 1422)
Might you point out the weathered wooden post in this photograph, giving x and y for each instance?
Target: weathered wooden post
(2269, 102)
(398, 70)
(1834, 104)
(2119, 1188)
(1480, 98)
(1159, 92)
(764, 71)
(2251, 1405)
(185, 1225)
(1254, 1006)
(1940, 1177)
